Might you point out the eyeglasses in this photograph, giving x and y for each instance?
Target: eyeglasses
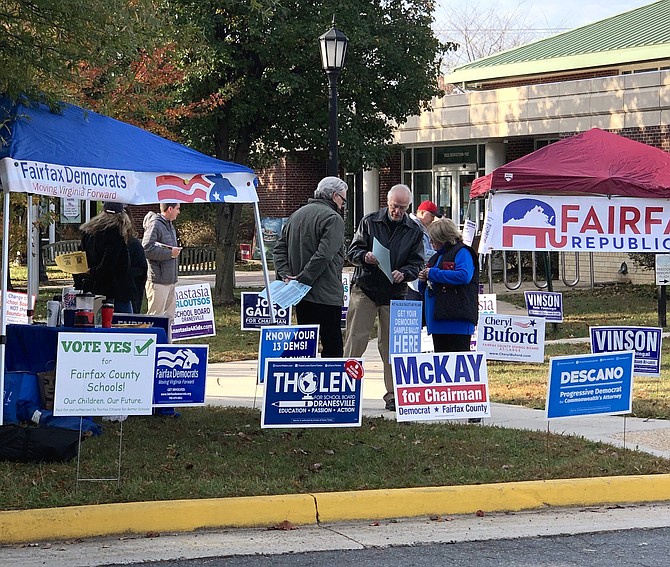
(398, 207)
(344, 201)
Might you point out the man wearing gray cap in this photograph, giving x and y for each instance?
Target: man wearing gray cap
(311, 250)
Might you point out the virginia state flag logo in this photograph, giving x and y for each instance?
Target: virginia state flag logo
(212, 188)
(530, 218)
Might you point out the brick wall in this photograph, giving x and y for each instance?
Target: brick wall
(544, 79)
(286, 186)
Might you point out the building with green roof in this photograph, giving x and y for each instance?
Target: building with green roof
(613, 74)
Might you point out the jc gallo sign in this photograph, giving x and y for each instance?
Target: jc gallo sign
(104, 374)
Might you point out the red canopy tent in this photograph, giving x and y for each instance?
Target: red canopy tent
(593, 162)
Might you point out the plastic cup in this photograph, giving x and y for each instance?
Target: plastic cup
(107, 311)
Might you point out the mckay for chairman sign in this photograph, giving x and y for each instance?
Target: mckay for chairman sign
(590, 384)
(104, 374)
(319, 392)
(440, 386)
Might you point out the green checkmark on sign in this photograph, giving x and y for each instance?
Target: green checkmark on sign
(143, 349)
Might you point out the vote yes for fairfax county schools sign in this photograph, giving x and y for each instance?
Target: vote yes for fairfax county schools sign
(194, 315)
(104, 374)
(297, 341)
(590, 384)
(317, 392)
(644, 341)
(511, 337)
(181, 373)
(440, 386)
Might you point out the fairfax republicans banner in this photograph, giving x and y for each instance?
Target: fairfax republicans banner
(440, 386)
(590, 384)
(317, 392)
(644, 341)
(96, 184)
(576, 224)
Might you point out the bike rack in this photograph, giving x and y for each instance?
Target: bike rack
(573, 283)
(538, 284)
(506, 281)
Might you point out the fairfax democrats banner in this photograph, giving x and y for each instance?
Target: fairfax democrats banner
(440, 386)
(579, 224)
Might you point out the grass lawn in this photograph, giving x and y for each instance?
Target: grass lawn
(216, 452)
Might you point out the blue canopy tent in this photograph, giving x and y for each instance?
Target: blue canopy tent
(77, 153)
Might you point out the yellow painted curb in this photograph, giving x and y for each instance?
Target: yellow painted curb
(141, 517)
(513, 496)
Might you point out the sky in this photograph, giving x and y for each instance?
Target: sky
(554, 13)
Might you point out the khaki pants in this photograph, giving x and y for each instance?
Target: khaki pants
(361, 317)
(161, 300)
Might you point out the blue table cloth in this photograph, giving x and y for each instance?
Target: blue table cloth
(33, 348)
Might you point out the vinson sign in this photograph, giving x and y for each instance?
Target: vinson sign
(579, 224)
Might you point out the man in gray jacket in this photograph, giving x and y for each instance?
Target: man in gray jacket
(311, 250)
(160, 247)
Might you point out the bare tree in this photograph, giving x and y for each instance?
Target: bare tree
(482, 29)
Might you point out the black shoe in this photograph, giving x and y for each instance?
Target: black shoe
(390, 404)
(474, 420)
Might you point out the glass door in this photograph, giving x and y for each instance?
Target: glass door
(443, 188)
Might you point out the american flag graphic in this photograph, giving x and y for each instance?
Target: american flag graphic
(198, 188)
(530, 323)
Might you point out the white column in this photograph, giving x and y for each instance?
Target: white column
(370, 191)
(495, 155)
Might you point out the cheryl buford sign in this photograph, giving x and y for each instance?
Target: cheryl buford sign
(590, 384)
(580, 224)
(255, 313)
(511, 337)
(296, 341)
(546, 304)
(440, 386)
(405, 323)
(194, 315)
(644, 341)
(104, 373)
(181, 372)
(318, 392)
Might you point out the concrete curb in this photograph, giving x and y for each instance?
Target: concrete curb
(23, 526)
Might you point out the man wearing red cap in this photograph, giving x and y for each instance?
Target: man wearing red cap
(426, 213)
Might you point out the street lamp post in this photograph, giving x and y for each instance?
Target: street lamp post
(333, 52)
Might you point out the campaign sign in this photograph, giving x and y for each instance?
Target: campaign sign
(16, 310)
(295, 341)
(511, 337)
(194, 314)
(547, 304)
(405, 327)
(136, 319)
(440, 386)
(181, 371)
(346, 288)
(486, 303)
(315, 392)
(256, 313)
(104, 374)
(590, 384)
(644, 341)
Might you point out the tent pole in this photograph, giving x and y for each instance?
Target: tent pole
(3, 292)
(261, 247)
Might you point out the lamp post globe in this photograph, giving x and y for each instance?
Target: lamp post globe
(333, 45)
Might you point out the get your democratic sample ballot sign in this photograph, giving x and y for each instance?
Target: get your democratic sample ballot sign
(440, 386)
(104, 374)
(318, 392)
(644, 341)
(405, 323)
(291, 341)
(590, 384)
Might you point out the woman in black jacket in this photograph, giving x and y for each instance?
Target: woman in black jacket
(105, 241)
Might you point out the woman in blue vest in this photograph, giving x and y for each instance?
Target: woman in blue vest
(450, 284)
